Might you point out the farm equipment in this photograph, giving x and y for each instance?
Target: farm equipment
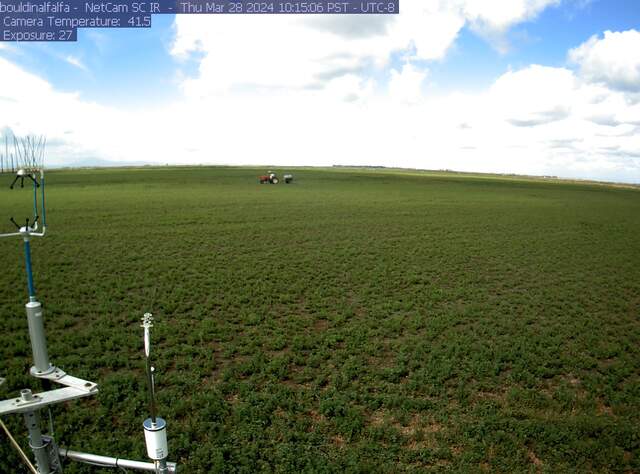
(272, 178)
(269, 178)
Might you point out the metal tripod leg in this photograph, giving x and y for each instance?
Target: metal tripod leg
(15, 181)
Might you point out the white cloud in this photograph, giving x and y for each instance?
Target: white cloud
(17, 85)
(613, 60)
(300, 53)
(464, 132)
(609, 107)
(492, 19)
(534, 96)
(349, 88)
(76, 62)
(498, 15)
(406, 86)
(281, 53)
(431, 27)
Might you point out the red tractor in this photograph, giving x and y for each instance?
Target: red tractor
(269, 178)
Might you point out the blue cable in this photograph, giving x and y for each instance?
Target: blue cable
(27, 258)
(35, 197)
(44, 208)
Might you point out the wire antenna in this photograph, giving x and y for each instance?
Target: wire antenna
(30, 152)
(6, 158)
(23, 156)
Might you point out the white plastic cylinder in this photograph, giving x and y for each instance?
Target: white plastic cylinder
(155, 437)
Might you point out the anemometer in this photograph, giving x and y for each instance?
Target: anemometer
(26, 164)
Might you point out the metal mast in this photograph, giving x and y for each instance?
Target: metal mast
(29, 154)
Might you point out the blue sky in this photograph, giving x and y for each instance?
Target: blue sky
(433, 59)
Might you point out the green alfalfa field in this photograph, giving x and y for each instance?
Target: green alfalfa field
(352, 321)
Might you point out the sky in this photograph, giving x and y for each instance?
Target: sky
(536, 87)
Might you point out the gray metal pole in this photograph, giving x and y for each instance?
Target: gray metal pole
(107, 461)
(151, 386)
(38, 339)
(36, 443)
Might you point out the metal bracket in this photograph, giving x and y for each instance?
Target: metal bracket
(52, 373)
(75, 388)
(42, 400)
(60, 376)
